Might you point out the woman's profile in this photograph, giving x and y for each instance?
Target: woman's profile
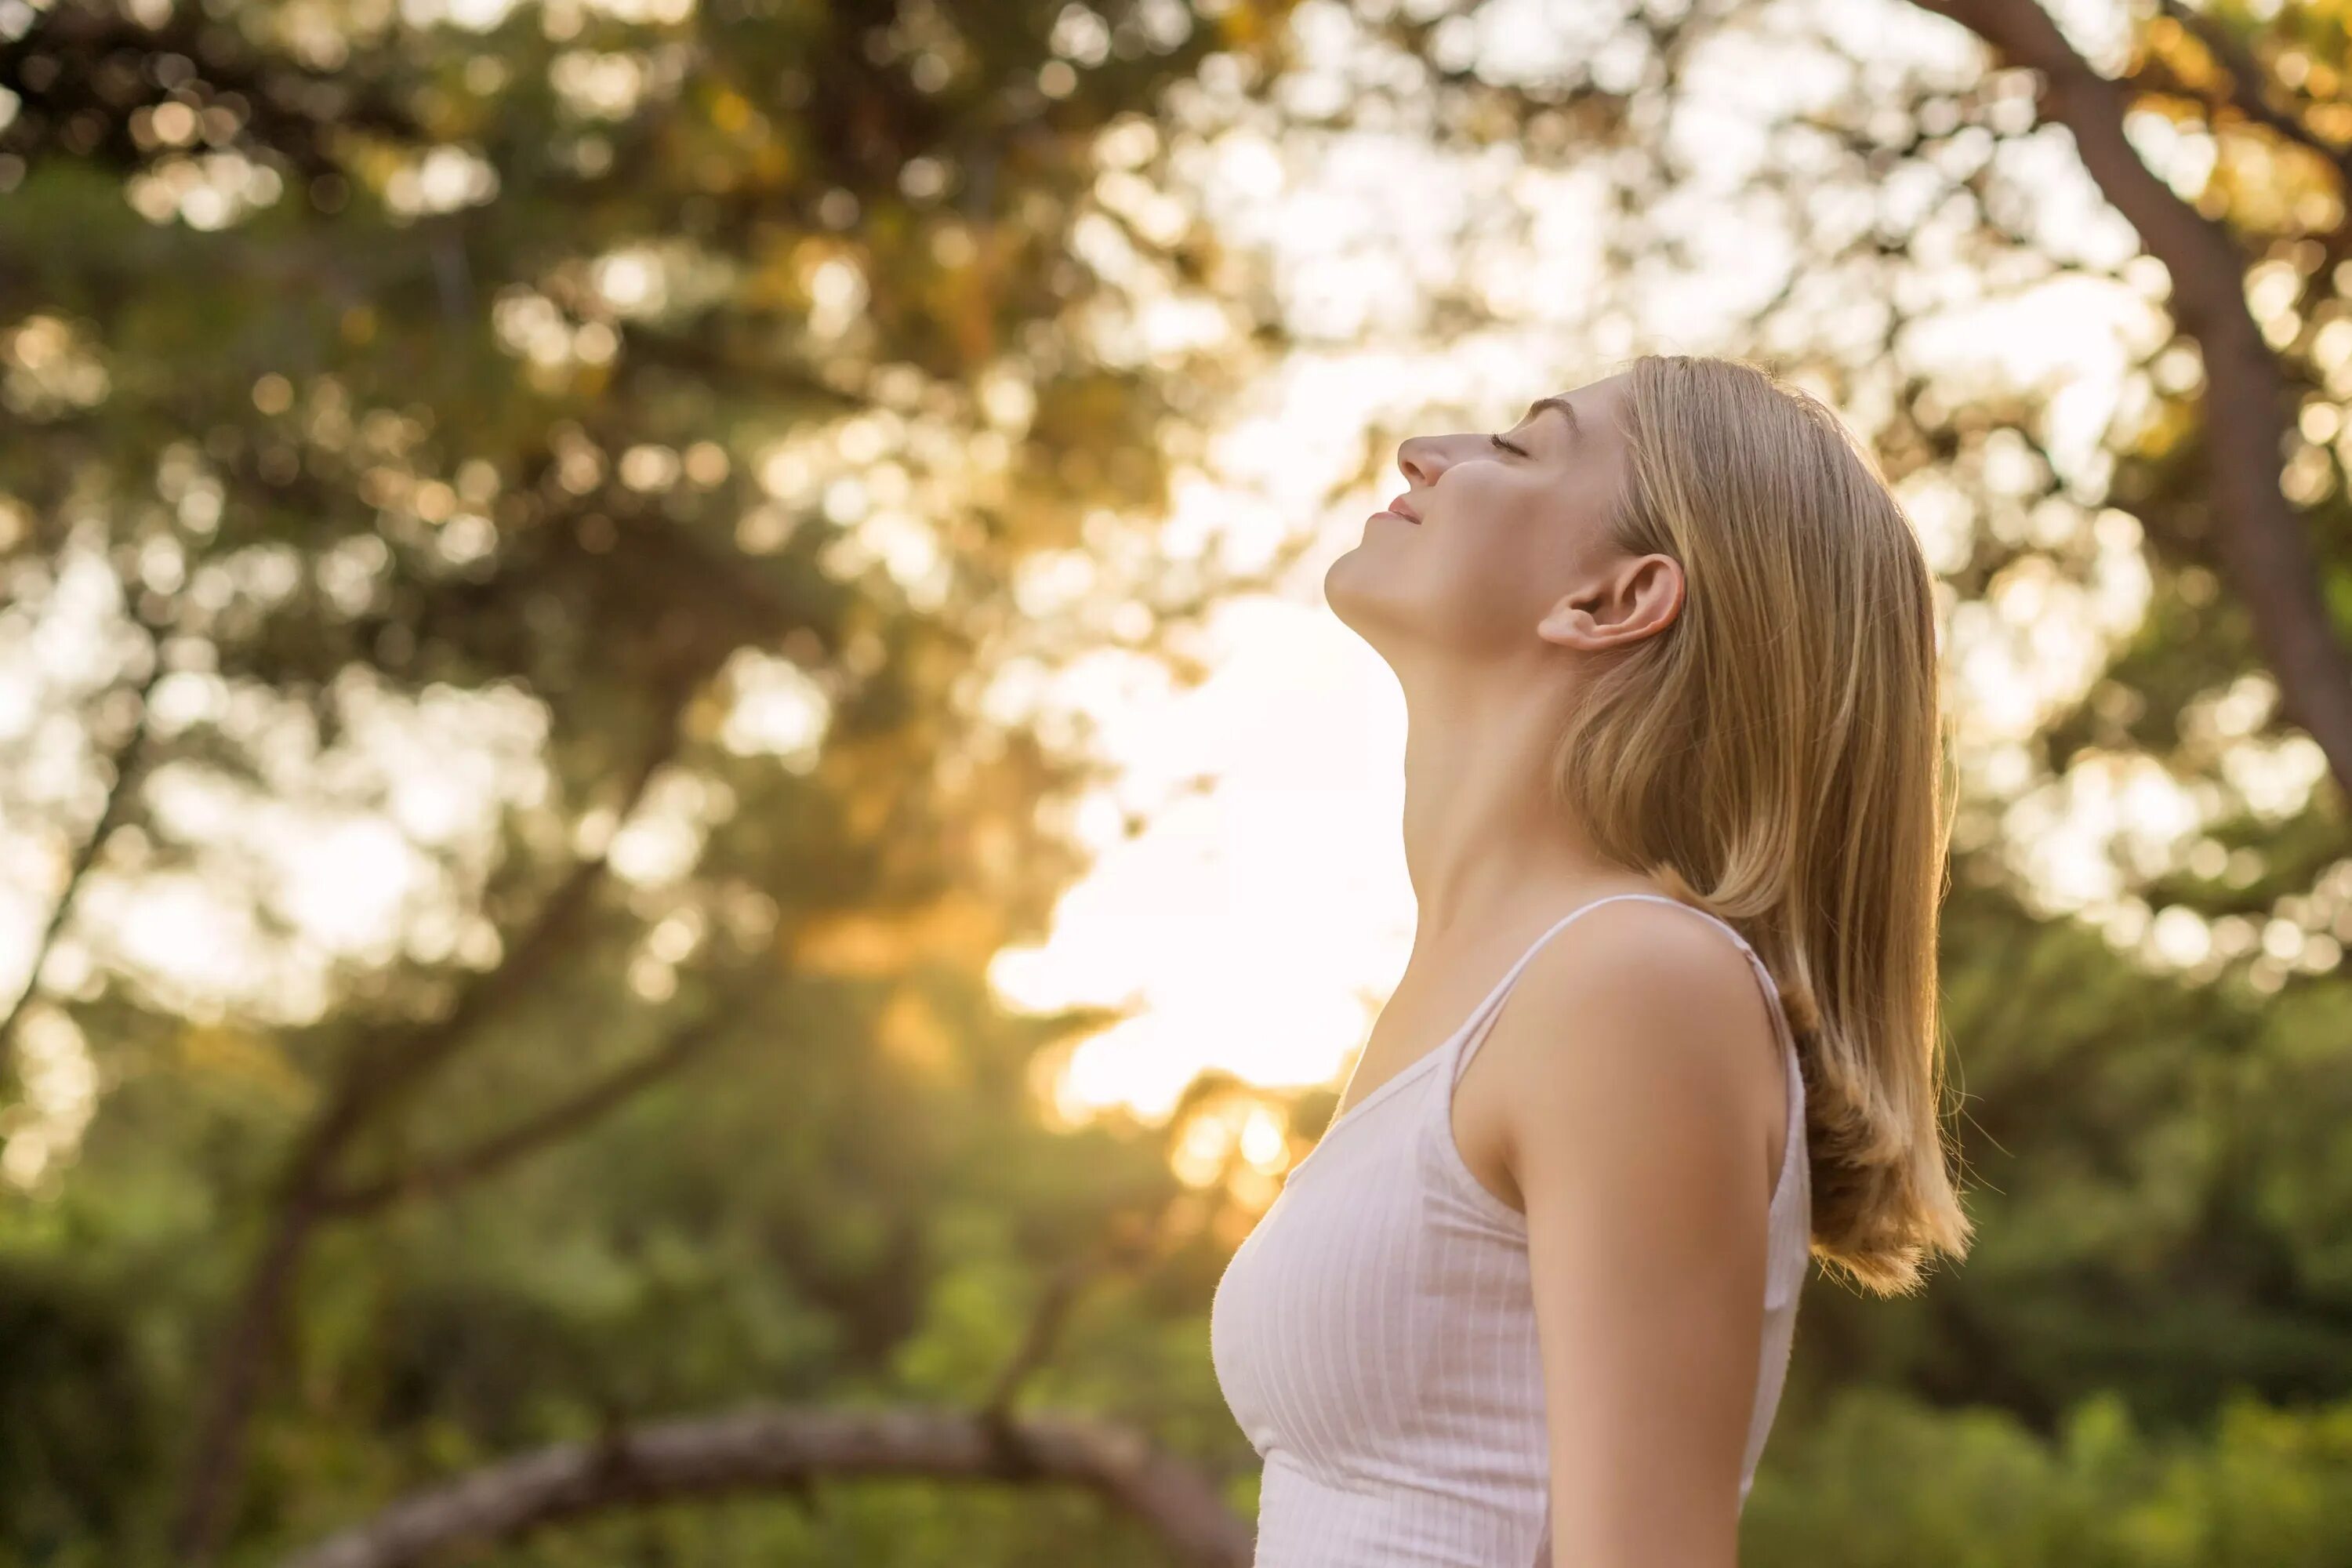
(1676, 812)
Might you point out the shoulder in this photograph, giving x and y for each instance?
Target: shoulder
(1636, 1071)
(1637, 1022)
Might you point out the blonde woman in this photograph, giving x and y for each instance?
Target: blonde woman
(1676, 811)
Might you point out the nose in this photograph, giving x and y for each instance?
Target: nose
(1421, 459)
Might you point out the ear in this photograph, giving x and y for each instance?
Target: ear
(1634, 599)
(1570, 624)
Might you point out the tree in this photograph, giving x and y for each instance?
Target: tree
(601, 374)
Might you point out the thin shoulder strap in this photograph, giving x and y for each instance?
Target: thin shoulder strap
(1781, 1029)
(1763, 973)
(1481, 1021)
(1474, 1034)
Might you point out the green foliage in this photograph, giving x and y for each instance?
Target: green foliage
(1884, 1482)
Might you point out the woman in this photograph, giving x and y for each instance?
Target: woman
(1669, 653)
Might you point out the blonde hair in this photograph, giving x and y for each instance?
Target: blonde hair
(1778, 758)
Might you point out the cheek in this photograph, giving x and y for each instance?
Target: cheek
(1490, 570)
(1494, 542)
(1481, 583)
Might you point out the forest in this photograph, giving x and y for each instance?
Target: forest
(561, 559)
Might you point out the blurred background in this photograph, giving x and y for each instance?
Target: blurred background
(684, 841)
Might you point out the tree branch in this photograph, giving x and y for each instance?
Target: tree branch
(393, 1062)
(2258, 534)
(124, 764)
(381, 1070)
(777, 1448)
(1037, 1340)
(441, 1175)
(2246, 79)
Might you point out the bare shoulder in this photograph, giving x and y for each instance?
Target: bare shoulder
(1631, 1077)
(1635, 1024)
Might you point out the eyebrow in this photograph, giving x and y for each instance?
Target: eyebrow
(1540, 403)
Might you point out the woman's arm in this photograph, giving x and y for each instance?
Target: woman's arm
(1638, 1072)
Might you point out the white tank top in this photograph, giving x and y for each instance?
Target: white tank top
(1375, 1334)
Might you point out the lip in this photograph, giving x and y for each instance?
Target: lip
(1404, 508)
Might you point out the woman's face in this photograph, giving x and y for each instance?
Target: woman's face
(1488, 540)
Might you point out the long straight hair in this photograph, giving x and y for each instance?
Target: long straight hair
(1778, 758)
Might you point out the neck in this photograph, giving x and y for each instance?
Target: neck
(1486, 847)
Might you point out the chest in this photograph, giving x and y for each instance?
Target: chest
(1398, 1050)
(1378, 1295)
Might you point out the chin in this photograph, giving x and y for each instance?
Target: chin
(1352, 589)
(1344, 585)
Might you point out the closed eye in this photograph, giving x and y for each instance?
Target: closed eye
(1506, 446)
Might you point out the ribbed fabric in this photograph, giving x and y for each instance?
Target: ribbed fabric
(1375, 1334)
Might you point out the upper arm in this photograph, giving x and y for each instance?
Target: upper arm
(1628, 1065)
